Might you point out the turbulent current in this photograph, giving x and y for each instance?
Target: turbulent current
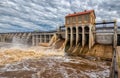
(41, 62)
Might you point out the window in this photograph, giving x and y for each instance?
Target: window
(73, 19)
(86, 17)
(79, 19)
(67, 20)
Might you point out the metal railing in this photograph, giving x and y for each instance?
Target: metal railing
(105, 22)
(52, 31)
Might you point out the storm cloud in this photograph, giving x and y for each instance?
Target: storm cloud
(43, 15)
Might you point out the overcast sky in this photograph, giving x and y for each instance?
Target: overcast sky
(29, 15)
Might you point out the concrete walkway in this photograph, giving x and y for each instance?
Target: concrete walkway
(118, 60)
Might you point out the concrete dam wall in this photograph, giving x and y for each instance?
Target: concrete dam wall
(46, 39)
(104, 38)
(31, 38)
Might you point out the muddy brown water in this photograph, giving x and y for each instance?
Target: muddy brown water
(55, 66)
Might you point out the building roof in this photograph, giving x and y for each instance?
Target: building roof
(80, 13)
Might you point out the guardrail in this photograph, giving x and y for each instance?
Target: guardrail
(105, 22)
(29, 32)
(114, 69)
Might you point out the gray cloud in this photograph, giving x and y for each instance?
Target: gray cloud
(21, 15)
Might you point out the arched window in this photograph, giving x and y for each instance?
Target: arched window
(68, 29)
(74, 30)
(86, 29)
(79, 29)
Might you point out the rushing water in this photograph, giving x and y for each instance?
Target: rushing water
(40, 62)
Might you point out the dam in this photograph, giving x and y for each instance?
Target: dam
(80, 36)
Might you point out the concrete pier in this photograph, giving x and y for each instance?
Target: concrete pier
(82, 35)
(41, 38)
